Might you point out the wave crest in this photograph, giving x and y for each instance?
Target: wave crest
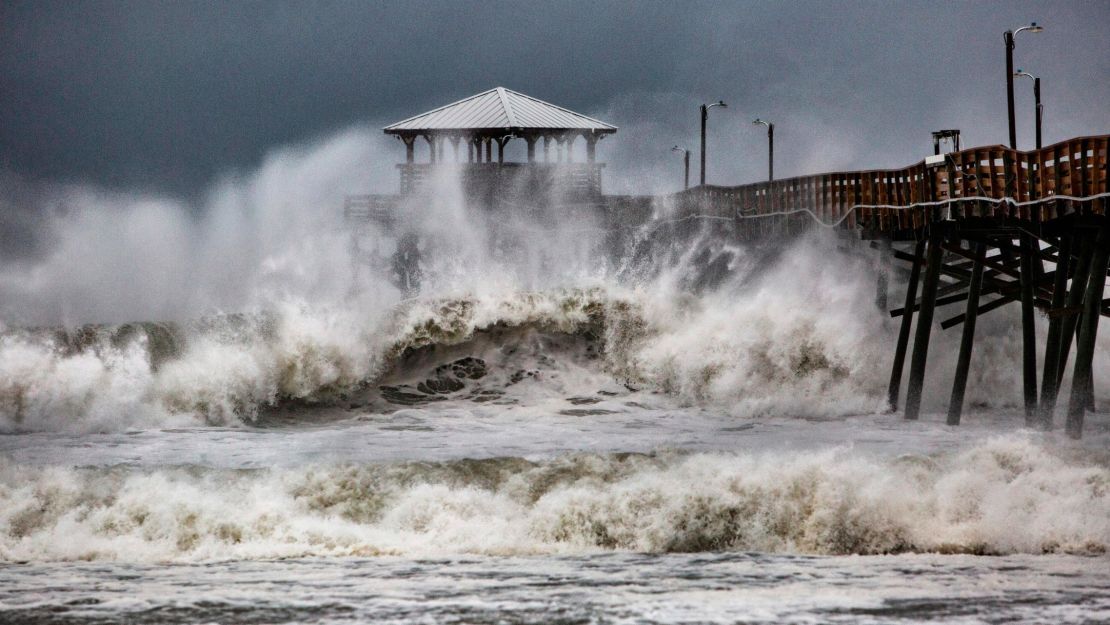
(1008, 495)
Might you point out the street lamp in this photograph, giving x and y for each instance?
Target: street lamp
(686, 161)
(770, 148)
(1008, 37)
(1039, 110)
(704, 116)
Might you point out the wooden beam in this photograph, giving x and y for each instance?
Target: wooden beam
(924, 321)
(1074, 301)
(1082, 381)
(1049, 377)
(904, 330)
(967, 339)
(984, 309)
(1028, 330)
(882, 277)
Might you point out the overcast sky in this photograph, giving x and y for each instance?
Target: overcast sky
(168, 96)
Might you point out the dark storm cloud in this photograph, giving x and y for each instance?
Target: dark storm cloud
(168, 95)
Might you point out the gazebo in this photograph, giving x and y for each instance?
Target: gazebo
(493, 118)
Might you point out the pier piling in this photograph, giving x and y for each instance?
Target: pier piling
(1028, 327)
(1082, 388)
(925, 321)
(1070, 321)
(1050, 379)
(967, 339)
(904, 330)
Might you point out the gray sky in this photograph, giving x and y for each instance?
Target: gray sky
(168, 96)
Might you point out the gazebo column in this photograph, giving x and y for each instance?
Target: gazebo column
(501, 141)
(531, 148)
(591, 147)
(564, 144)
(489, 150)
(547, 148)
(431, 148)
(410, 149)
(455, 146)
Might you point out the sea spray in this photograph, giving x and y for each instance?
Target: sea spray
(774, 348)
(269, 306)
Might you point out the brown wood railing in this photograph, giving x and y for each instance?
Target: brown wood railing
(890, 200)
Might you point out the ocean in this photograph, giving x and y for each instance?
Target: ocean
(555, 428)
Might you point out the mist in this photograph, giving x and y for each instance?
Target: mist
(109, 257)
(239, 332)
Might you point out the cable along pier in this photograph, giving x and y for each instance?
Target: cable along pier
(980, 228)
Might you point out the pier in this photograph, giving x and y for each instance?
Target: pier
(979, 228)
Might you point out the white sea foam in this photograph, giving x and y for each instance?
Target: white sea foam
(1007, 495)
(785, 331)
(776, 348)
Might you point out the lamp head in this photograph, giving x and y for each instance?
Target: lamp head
(1031, 28)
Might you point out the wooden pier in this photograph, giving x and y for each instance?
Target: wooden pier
(982, 227)
(981, 224)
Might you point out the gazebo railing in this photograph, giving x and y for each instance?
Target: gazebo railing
(575, 180)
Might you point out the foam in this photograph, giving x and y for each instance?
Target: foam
(1007, 495)
(778, 330)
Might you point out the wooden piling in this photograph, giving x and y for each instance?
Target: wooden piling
(904, 330)
(924, 322)
(967, 339)
(1028, 329)
(1049, 378)
(1082, 382)
(882, 280)
(1070, 321)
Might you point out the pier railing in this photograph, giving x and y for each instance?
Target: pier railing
(995, 181)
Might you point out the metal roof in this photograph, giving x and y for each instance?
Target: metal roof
(499, 109)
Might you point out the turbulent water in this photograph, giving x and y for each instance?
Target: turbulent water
(561, 426)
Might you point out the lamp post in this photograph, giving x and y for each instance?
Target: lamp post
(704, 116)
(686, 162)
(1039, 110)
(770, 148)
(1008, 37)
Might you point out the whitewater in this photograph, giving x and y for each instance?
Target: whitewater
(221, 410)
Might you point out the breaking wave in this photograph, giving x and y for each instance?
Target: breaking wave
(233, 369)
(772, 330)
(801, 349)
(228, 369)
(1007, 495)
(676, 307)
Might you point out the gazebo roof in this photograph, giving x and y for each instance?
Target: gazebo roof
(499, 110)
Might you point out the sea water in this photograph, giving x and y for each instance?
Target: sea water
(557, 428)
